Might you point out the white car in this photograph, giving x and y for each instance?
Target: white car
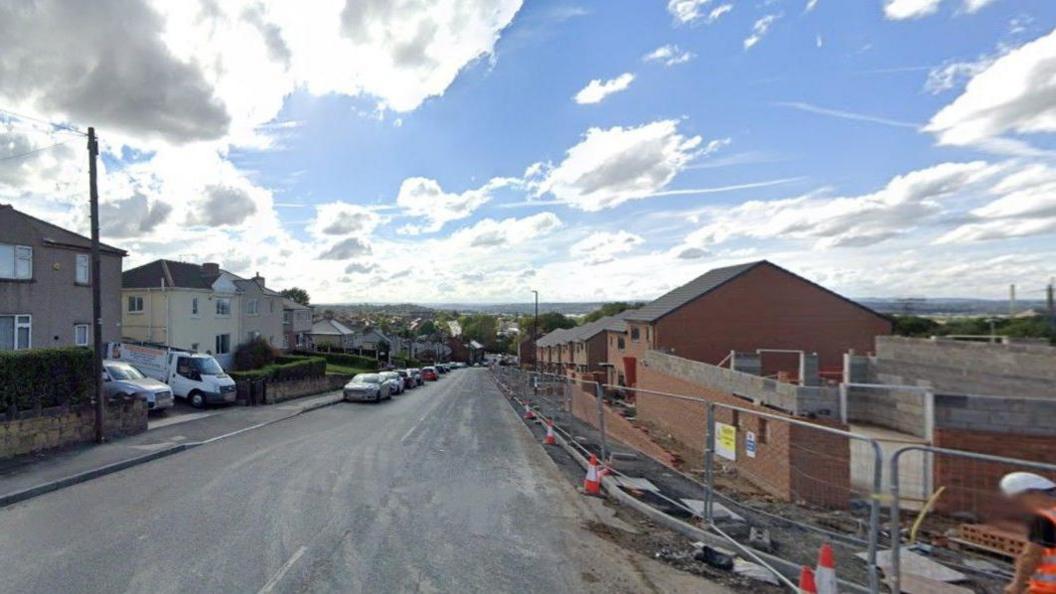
(366, 387)
(394, 381)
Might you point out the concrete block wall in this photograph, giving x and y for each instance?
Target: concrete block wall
(1008, 415)
(823, 401)
(60, 426)
(967, 367)
(901, 410)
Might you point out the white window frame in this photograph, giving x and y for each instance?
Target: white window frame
(223, 300)
(76, 338)
(21, 321)
(134, 299)
(23, 254)
(287, 317)
(217, 344)
(195, 312)
(252, 307)
(83, 262)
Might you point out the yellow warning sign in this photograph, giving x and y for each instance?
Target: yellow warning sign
(726, 441)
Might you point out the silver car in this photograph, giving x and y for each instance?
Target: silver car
(120, 378)
(394, 381)
(367, 387)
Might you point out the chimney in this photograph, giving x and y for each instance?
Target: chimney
(211, 269)
(259, 279)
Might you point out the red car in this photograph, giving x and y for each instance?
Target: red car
(429, 374)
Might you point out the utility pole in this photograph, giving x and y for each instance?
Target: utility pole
(97, 314)
(1050, 298)
(1012, 301)
(535, 331)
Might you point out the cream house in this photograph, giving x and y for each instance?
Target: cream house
(197, 307)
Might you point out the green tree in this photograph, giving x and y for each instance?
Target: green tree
(296, 294)
(609, 309)
(915, 326)
(427, 327)
(548, 322)
(482, 328)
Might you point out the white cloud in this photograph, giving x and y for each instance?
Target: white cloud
(610, 167)
(952, 74)
(1015, 94)
(601, 247)
(905, 203)
(343, 218)
(423, 197)
(759, 30)
(915, 9)
(346, 249)
(490, 233)
(670, 55)
(718, 12)
(597, 90)
(686, 10)
(811, 5)
(1025, 205)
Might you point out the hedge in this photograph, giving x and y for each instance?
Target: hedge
(286, 368)
(45, 378)
(346, 360)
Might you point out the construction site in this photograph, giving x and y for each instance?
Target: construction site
(759, 449)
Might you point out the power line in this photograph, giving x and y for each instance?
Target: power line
(46, 122)
(35, 151)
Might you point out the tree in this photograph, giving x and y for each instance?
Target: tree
(548, 322)
(609, 309)
(296, 294)
(915, 326)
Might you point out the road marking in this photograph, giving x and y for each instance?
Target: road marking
(408, 434)
(274, 581)
(176, 420)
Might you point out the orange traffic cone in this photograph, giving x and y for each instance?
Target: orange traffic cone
(825, 574)
(528, 414)
(806, 581)
(592, 482)
(549, 439)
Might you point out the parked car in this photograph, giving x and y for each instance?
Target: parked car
(441, 368)
(408, 379)
(367, 387)
(429, 374)
(394, 381)
(194, 376)
(416, 376)
(120, 378)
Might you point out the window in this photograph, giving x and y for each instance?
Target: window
(223, 344)
(620, 343)
(15, 332)
(194, 346)
(251, 307)
(285, 341)
(764, 431)
(80, 334)
(135, 304)
(194, 306)
(83, 267)
(253, 334)
(286, 317)
(271, 306)
(634, 333)
(223, 306)
(16, 261)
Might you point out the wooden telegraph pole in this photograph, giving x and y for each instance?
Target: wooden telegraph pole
(97, 315)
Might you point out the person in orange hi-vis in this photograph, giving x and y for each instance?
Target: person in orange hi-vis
(1036, 565)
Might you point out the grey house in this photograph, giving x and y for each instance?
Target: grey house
(296, 325)
(262, 311)
(45, 285)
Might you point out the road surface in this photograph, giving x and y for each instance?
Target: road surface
(438, 490)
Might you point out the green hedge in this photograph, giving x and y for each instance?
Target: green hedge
(48, 377)
(285, 368)
(346, 360)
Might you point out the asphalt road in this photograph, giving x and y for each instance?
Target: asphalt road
(438, 490)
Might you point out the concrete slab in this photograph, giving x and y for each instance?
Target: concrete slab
(916, 564)
(637, 483)
(718, 510)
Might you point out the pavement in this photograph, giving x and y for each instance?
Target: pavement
(442, 489)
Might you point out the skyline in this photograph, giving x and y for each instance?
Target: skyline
(461, 151)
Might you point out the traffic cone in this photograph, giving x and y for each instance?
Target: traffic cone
(528, 414)
(825, 574)
(592, 482)
(806, 581)
(549, 439)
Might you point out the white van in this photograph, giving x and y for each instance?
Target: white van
(194, 376)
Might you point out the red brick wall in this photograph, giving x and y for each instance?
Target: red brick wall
(791, 462)
(769, 308)
(585, 408)
(971, 485)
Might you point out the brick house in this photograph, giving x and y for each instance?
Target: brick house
(747, 307)
(45, 285)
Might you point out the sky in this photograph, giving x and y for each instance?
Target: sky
(474, 150)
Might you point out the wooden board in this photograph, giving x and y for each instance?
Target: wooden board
(916, 584)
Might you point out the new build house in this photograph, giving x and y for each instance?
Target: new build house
(197, 307)
(45, 285)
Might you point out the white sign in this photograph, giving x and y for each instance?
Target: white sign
(749, 443)
(726, 441)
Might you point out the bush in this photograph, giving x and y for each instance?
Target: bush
(285, 369)
(345, 360)
(48, 377)
(255, 353)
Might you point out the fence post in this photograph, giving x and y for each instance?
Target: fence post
(896, 526)
(709, 463)
(874, 515)
(599, 396)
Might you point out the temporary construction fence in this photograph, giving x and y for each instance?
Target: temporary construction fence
(754, 460)
(747, 453)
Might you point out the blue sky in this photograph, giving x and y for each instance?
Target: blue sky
(436, 151)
